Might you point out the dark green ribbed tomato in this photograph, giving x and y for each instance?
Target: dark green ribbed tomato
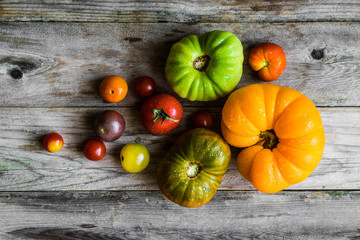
(205, 68)
(193, 169)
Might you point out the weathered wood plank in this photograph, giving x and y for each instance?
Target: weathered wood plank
(25, 165)
(180, 11)
(148, 215)
(61, 64)
(48, 70)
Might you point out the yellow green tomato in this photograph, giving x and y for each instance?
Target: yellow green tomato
(205, 68)
(134, 157)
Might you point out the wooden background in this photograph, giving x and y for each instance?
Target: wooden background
(54, 54)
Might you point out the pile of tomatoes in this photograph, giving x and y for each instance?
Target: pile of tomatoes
(160, 114)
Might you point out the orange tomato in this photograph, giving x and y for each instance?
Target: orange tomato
(53, 142)
(113, 89)
(281, 131)
(269, 60)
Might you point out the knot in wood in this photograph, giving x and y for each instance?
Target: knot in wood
(317, 54)
(16, 74)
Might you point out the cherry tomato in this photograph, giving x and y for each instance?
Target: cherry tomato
(269, 60)
(134, 157)
(145, 86)
(161, 113)
(53, 142)
(202, 119)
(113, 89)
(94, 150)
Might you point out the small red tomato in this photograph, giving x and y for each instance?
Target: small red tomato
(94, 150)
(161, 113)
(269, 60)
(53, 142)
(202, 119)
(145, 86)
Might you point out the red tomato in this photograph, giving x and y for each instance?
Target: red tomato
(161, 113)
(145, 86)
(53, 142)
(202, 119)
(269, 60)
(94, 150)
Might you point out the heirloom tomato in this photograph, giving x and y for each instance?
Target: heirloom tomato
(193, 169)
(53, 142)
(205, 68)
(202, 119)
(134, 157)
(109, 125)
(161, 113)
(113, 89)
(145, 86)
(94, 150)
(280, 130)
(269, 60)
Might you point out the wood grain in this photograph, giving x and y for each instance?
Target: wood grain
(25, 165)
(61, 64)
(148, 215)
(53, 55)
(180, 11)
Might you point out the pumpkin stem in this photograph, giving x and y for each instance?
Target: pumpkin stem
(271, 140)
(192, 170)
(201, 63)
(161, 114)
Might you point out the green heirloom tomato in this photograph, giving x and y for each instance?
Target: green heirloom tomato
(193, 169)
(205, 68)
(134, 157)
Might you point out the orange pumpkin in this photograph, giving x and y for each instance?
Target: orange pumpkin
(281, 131)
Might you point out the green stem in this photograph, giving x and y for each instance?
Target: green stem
(266, 63)
(161, 114)
(193, 170)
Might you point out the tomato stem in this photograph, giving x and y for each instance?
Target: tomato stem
(192, 170)
(266, 63)
(201, 63)
(161, 114)
(271, 140)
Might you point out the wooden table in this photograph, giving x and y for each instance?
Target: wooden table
(53, 56)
